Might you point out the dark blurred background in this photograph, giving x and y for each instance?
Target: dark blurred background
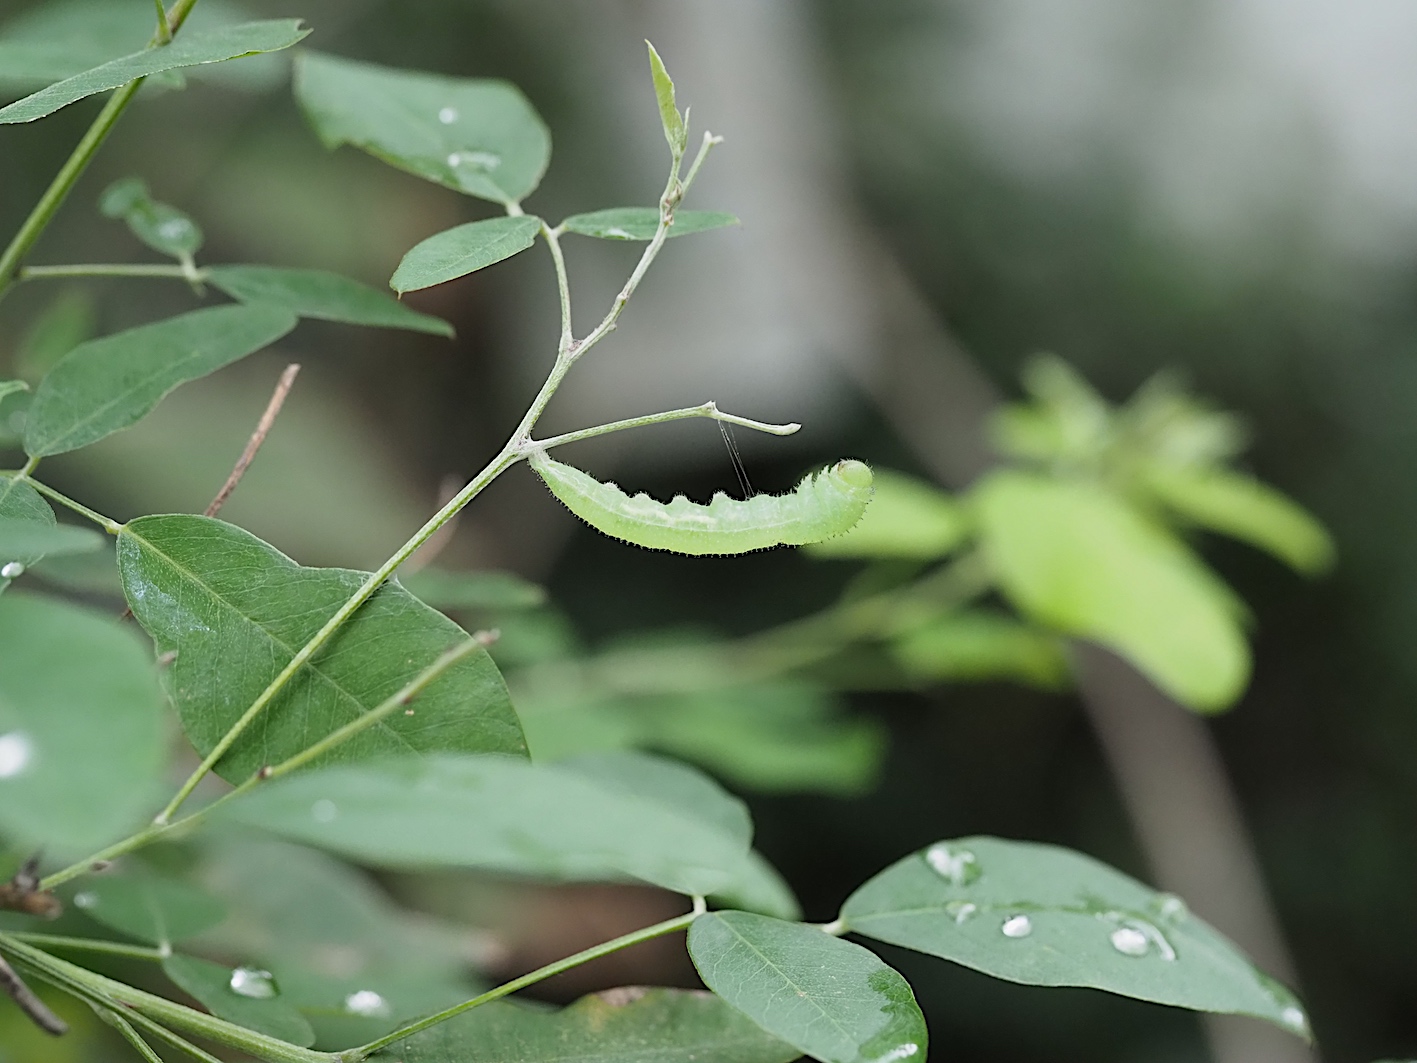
(941, 187)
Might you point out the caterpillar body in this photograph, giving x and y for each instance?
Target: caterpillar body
(825, 504)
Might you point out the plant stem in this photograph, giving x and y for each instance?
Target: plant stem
(107, 523)
(146, 1007)
(108, 948)
(708, 409)
(125, 1028)
(563, 285)
(669, 926)
(108, 269)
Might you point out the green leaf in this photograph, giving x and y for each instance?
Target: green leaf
(833, 1000)
(478, 136)
(35, 538)
(1077, 558)
(982, 645)
(497, 814)
(674, 131)
(319, 294)
(1043, 915)
(641, 223)
(163, 228)
(227, 994)
(616, 1026)
(82, 737)
(189, 49)
(93, 573)
(60, 327)
(9, 387)
(1245, 509)
(160, 911)
(907, 518)
(483, 591)
(463, 249)
(108, 384)
(331, 936)
(214, 594)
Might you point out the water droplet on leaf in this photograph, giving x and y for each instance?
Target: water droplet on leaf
(16, 752)
(961, 910)
(958, 866)
(253, 983)
(1294, 1018)
(448, 115)
(1172, 908)
(1017, 926)
(324, 811)
(367, 1003)
(85, 900)
(904, 1051)
(12, 570)
(1130, 941)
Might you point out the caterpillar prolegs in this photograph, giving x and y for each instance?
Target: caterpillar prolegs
(825, 504)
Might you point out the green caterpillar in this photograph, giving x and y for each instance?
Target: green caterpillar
(825, 504)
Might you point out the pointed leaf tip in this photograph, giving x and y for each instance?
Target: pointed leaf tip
(674, 129)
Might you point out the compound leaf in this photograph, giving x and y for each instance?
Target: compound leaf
(235, 611)
(476, 135)
(463, 249)
(1077, 558)
(193, 48)
(641, 223)
(245, 996)
(499, 814)
(1043, 915)
(831, 999)
(319, 294)
(82, 740)
(617, 1026)
(110, 383)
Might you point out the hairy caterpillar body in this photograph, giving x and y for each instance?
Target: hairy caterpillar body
(825, 504)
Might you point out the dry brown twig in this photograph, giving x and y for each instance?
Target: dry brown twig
(263, 427)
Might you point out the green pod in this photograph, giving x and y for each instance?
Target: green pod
(825, 504)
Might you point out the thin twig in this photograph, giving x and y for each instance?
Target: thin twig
(30, 1004)
(283, 386)
(438, 541)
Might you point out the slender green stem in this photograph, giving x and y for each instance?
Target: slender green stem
(106, 523)
(43, 213)
(176, 1040)
(111, 269)
(108, 948)
(669, 926)
(708, 409)
(164, 31)
(147, 1007)
(563, 285)
(125, 1028)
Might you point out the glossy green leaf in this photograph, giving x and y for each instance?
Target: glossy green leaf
(213, 594)
(163, 228)
(480, 591)
(1077, 558)
(673, 121)
(1246, 509)
(22, 507)
(641, 223)
(982, 645)
(832, 999)
(21, 538)
(907, 518)
(476, 135)
(61, 326)
(108, 384)
(193, 48)
(617, 1026)
(319, 294)
(82, 737)
(463, 249)
(240, 996)
(1043, 915)
(160, 911)
(332, 938)
(497, 814)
